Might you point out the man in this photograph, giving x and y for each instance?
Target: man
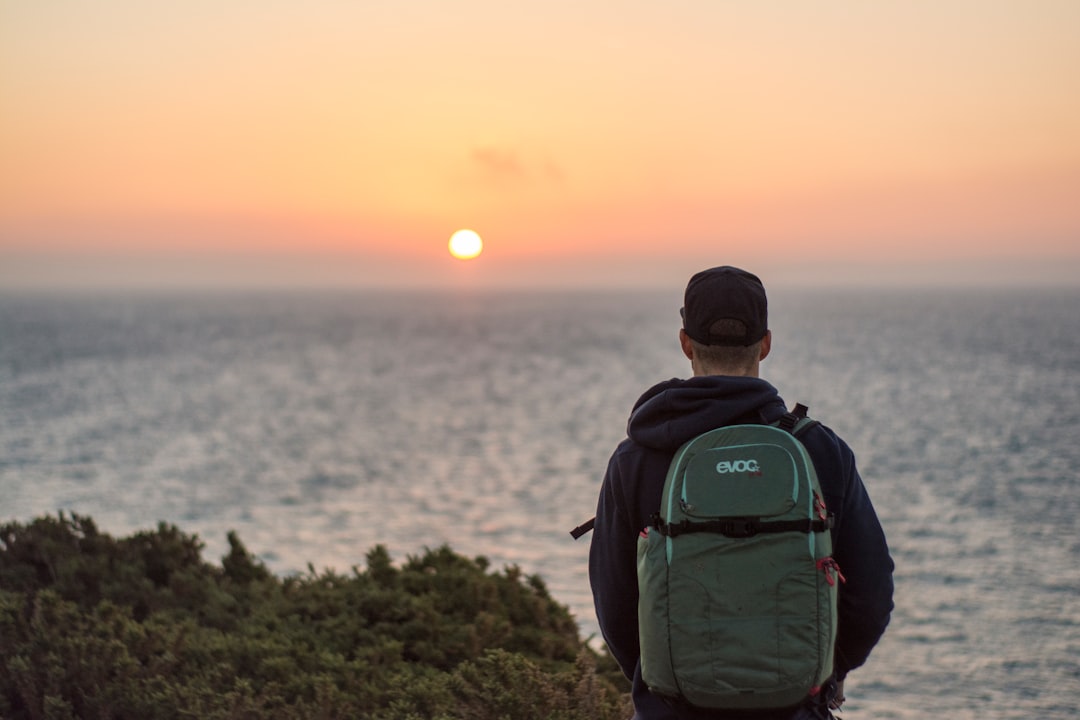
(725, 336)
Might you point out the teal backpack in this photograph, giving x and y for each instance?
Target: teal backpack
(737, 606)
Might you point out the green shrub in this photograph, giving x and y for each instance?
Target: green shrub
(141, 627)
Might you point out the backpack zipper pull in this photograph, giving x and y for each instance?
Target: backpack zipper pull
(819, 505)
(826, 564)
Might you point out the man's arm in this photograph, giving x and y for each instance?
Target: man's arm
(866, 599)
(613, 570)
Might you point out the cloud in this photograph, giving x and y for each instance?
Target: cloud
(499, 163)
(505, 166)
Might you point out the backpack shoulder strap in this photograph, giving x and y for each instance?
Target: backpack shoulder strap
(583, 528)
(795, 421)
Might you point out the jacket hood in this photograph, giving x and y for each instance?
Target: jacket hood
(674, 411)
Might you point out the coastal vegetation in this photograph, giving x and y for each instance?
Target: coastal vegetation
(93, 626)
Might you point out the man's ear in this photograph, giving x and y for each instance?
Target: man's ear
(766, 345)
(687, 347)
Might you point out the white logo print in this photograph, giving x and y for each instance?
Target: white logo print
(729, 466)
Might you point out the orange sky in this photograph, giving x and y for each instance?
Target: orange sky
(609, 143)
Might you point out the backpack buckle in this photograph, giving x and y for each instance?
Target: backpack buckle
(740, 528)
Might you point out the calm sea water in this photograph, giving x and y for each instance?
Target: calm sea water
(317, 425)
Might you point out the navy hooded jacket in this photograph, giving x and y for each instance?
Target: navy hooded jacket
(665, 417)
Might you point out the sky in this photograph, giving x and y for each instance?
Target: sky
(590, 143)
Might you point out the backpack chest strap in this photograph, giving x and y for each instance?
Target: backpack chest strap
(741, 527)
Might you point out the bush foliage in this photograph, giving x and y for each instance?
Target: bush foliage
(141, 627)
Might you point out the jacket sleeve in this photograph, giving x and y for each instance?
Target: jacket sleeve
(860, 549)
(613, 570)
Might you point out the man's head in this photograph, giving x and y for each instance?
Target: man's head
(725, 322)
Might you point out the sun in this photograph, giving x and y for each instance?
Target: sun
(466, 244)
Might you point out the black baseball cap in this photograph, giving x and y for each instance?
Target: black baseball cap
(725, 293)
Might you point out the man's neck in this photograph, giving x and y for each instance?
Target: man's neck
(727, 372)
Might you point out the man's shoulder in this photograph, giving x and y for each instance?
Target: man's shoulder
(833, 459)
(630, 451)
(823, 438)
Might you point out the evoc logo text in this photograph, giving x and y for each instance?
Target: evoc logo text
(729, 466)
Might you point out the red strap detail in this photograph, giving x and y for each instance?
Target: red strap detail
(826, 564)
(820, 505)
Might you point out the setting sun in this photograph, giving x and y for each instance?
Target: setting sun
(465, 245)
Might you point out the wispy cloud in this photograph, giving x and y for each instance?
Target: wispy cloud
(509, 167)
(499, 162)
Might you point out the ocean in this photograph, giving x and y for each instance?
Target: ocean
(318, 424)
